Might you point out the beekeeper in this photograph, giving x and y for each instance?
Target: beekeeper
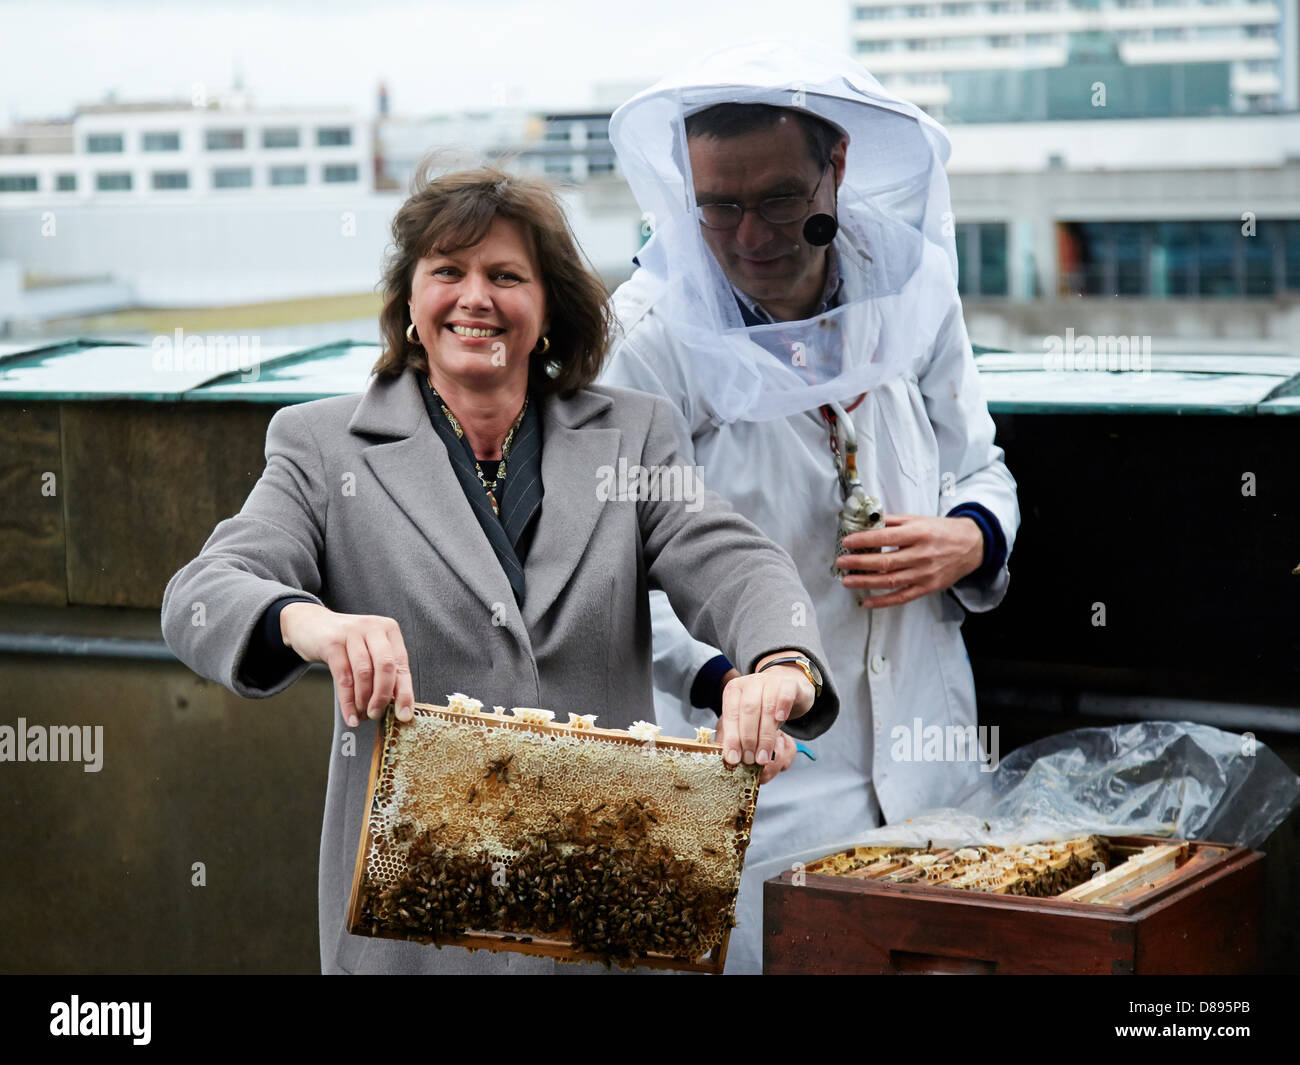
(797, 303)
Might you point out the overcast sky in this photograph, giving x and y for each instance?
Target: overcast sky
(434, 55)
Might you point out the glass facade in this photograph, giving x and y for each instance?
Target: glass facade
(1186, 259)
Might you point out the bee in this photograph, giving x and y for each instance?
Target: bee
(501, 767)
(472, 792)
(508, 816)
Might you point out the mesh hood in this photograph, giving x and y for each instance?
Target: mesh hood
(895, 242)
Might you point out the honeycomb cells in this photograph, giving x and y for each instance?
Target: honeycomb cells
(481, 822)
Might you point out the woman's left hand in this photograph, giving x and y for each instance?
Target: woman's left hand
(785, 752)
(753, 709)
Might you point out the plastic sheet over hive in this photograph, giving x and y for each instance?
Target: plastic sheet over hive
(509, 832)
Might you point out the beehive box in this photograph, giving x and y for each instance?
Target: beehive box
(1126, 904)
(511, 832)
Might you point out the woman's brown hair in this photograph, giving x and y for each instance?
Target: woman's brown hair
(455, 211)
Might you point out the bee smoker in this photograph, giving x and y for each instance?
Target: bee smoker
(861, 510)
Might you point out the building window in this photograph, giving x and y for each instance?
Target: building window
(1000, 41)
(873, 46)
(982, 258)
(1040, 5)
(1038, 40)
(286, 137)
(1290, 234)
(104, 142)
(558, 167)
(17, 182)
(161, 142)
(1184, 259)
(288, 175)
(865, 13)
(171, 179)
(66, 183)
(224, 140)
(234, 177)
(341, 173)
(1216, 244)
(600, 166)
(333, 136)
(113, 182)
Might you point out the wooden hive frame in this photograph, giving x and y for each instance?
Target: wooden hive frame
(506, 937)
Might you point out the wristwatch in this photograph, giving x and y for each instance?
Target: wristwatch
(803, 662)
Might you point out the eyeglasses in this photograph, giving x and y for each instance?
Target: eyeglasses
(778, 210)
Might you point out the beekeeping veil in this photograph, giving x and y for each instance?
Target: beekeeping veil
(895, 239)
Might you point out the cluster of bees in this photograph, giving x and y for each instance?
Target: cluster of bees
(592, 878)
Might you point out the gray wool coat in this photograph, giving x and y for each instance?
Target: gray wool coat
(359, 509)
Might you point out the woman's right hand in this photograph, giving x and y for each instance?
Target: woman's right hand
(365, 654)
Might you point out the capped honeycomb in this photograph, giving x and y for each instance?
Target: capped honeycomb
(1033, 870)
(576, 840)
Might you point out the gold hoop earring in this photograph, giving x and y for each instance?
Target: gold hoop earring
(546, 346)
(410, 334)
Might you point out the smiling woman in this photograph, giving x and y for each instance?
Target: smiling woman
(508, 234)
(446, 531)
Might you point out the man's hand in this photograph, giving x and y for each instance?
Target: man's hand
(753, 708)
(933, 554)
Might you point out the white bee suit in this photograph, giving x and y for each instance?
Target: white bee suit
(749, 415)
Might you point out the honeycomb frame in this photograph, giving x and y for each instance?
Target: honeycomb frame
(512, 832)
